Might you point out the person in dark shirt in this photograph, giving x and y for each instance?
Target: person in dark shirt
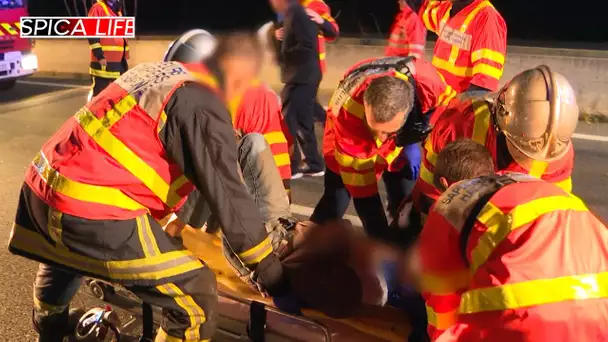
(301, 74)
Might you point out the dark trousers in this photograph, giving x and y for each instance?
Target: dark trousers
(320, 114)
(99, 84)
(335, 200)
(189, 305)
(298, 108)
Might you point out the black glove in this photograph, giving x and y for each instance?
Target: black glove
(270, 277)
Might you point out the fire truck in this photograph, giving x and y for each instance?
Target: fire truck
(16, 57)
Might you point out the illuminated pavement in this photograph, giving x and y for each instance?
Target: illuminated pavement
(30, 113)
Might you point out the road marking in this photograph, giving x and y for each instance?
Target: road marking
(590, 137)
(307, 211)
(53, 84)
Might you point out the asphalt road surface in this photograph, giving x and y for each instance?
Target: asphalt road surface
(34, 109)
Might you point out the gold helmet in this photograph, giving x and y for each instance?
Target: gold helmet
(537, 112)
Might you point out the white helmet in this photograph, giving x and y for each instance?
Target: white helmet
(191, 47)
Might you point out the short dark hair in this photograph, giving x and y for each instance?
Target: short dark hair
(463, 159)
(389, 95)
(240, 43)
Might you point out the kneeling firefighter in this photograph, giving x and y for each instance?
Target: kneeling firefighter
(527, 127)
(93, 194)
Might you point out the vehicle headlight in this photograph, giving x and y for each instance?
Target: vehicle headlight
(29, 62)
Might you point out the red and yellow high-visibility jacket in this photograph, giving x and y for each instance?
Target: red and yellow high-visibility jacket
(408, 35)
(107, 161)
(472, 119)
(112, 49)
(472, 44)
(328, 30)
(531, 264)
(259, 111)
(349, 147)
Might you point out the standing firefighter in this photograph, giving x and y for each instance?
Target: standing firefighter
(472, 43)
(514, 258)
(376, 118)
(108, 55)
(93, 194)
(527, 128)
(408, 35)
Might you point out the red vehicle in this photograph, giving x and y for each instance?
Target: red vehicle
(16, 57)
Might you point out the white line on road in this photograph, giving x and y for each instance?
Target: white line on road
(307, 211)
(54, 84)
(590, 137)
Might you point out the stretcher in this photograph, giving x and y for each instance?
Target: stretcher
(240, 306)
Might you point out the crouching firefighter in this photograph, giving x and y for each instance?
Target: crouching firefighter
(376, 118)
(527, 127)
(93, 194)
(505, 259)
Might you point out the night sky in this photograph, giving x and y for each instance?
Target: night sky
(527, 20)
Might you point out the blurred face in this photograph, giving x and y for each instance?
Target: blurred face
(279, 6)
(401, 4)
(385, 130)
(239, 72)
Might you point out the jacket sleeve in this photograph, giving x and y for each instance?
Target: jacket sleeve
(444, 275)
(304, 31)
(431, 89)
(199, 137)
(488, 50)
(330, 27)
(94, 43)
(408, 36)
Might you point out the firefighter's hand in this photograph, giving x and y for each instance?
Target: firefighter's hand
(279, 34)
(103, 62)
(315, 16)
(270, 277)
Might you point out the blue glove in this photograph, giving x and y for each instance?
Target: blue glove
(411, 154)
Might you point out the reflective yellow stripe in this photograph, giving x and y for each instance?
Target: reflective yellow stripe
(275, 138)
(146, 237)
(95, 46)
(205, 79)
(354, 107)
(500, 225)
(441, 321)
(327, 17)
(446, 96)
(257, 253)
(105, 8)
(479, 68)
(48, 308)
(482, 122)
(322, 56)
(430, 154)
(426, 175)
(81, 191)
(104, 74)
(492, 55)
(401, 76)
(159, 267)
(281, 159)
(118, 111)
(359, 164)
(101, 134)
(162, 120)
(535, 292)
(55, 227)
(393, 155)
(162, 336)
(115, 48)
(18, 25)
(358, 179)
(9, 28)
(195, 313)
(538, 168)
(445, 284)
(566, 184)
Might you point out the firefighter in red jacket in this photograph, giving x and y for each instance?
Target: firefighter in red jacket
(537, 110)
(408, 35)
(513, 258)
(376, 118)
(93, 194)
(472, 41)
(259, 111)
(108, 55)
